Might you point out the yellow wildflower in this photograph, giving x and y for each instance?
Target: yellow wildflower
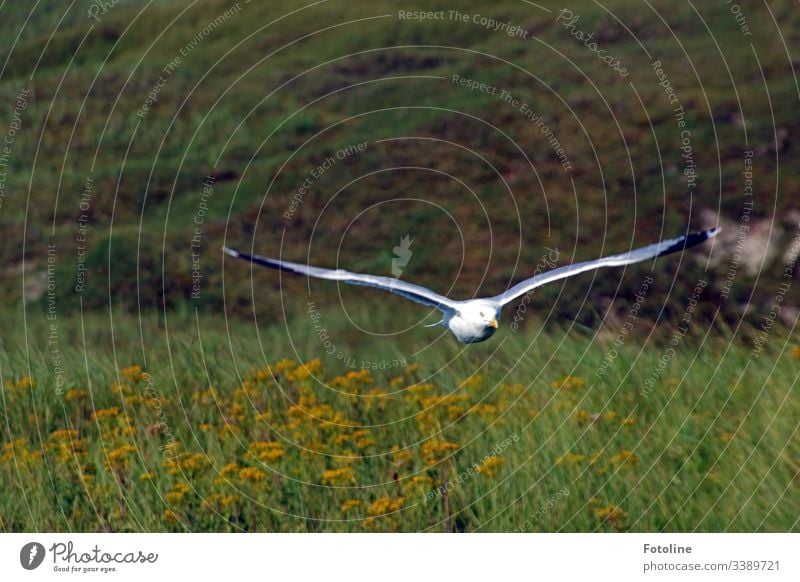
(362, 439)
(120, 388)
(66, 434)
(610, 513)
(267, 450)
(120, 457)
(105, 413)
(304, 371)
(283, 365)
(418, 391)
(341, 476)
(350, 504)
(435, 451)
(417, 482)
(25, 382)
(218, 501)
(74, 394)
(251, 474)
(572, 458)
(569, 383)
(624, 456)
(170, 517)
(489, 466)
(185, 462)
(384, 505)
(486, 411)
(474, 382)
(177, 493)
(229, 469)
(352, 381)
(133, 373)
(208, 396)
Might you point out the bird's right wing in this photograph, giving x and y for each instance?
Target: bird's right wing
(416, 293)
(658, 249)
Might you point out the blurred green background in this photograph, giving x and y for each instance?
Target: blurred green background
(258, 103)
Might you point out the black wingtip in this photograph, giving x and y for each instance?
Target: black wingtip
(264, 261)
(691, 240)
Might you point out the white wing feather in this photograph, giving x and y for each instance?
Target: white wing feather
(664, 247)
(416, 293)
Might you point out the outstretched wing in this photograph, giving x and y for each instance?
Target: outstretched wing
(410, 291)
(664, 247)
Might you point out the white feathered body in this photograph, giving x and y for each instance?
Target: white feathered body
(473, 321)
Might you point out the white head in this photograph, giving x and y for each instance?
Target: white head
(474, 321)
(484, 312)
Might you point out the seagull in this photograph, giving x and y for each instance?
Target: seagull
(475, 320)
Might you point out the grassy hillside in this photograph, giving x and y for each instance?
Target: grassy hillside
(145, 104)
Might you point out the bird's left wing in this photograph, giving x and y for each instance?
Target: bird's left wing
(664, 247)
(416, 293)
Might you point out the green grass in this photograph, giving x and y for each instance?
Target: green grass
(218, 118)
(712, 447)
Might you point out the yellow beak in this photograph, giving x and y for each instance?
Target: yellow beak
(493, 323)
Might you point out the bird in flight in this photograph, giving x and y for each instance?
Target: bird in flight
(475, 320)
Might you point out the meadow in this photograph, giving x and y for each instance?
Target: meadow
(202, 424)
(148, 385)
